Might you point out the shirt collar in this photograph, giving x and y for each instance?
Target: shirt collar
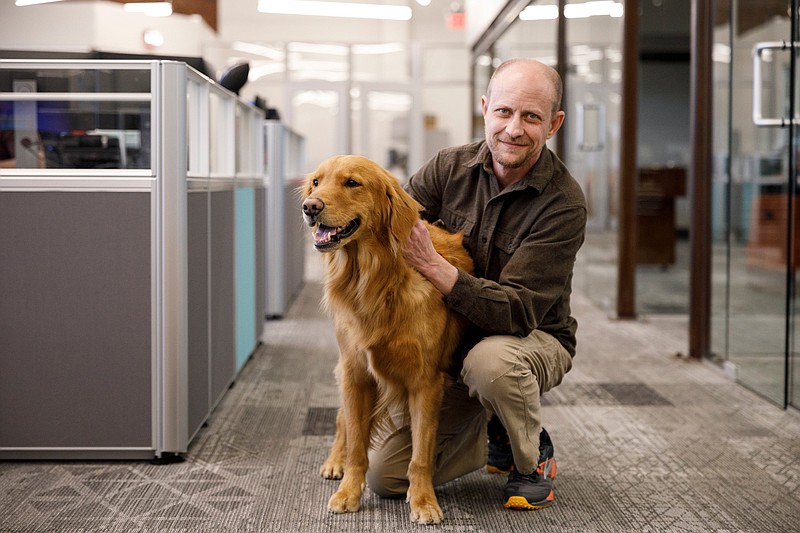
(538, 177)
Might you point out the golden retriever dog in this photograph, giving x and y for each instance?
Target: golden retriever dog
(396, 337)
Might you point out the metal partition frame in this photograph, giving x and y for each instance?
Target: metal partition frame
(285, 235)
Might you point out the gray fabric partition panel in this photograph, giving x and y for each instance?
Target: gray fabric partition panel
(75, 319)
(261, 268)
(198, 342)
(296, 242)
(223, 357)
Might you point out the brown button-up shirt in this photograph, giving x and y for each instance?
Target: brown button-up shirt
(523, 239)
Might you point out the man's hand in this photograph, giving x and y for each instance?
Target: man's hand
(421, 255)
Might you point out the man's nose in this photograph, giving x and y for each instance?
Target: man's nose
(514, 126)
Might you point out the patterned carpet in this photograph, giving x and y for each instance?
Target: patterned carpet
(645, 441)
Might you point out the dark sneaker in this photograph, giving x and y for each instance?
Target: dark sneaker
(533, 491)
(501, 459)
(547, 461)
(528, 491)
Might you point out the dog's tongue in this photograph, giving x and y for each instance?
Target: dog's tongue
(323, 233)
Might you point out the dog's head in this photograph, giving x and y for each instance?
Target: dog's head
(351, 198)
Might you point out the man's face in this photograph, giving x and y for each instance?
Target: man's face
(517, 117)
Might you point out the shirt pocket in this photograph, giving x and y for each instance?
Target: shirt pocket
(453, 222)
(468, 228)
(507, 243)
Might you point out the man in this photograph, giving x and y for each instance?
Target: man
(523, 216)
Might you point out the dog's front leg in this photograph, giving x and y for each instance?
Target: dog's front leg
(333, 467)
(424, 405)
(358, 400)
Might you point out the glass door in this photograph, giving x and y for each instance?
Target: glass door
(762, 258)
(382, 126)
(319, 112)
(792, 372)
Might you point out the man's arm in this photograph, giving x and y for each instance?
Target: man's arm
(530, 284)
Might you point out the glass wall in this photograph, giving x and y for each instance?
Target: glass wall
(721, 230)
(756, 99)
(393, 102)
(592, 105)
(755, 191)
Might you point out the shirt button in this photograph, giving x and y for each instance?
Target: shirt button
(485, 240)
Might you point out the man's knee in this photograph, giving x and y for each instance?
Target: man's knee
(385, 483)
(489, 360)
(538, 355)
(387, 475)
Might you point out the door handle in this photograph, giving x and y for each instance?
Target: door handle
(758, 118)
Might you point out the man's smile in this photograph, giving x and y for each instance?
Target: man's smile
(513, 144)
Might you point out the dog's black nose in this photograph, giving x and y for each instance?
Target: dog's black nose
(312, 206)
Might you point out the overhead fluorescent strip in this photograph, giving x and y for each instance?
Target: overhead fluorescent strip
(608, 8)
(335, 9)
(34, 2)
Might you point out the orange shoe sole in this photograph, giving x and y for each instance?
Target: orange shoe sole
(520, 503)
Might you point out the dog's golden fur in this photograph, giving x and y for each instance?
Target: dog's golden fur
(396, 337)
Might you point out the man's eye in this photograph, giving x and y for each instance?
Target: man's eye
(351, 183)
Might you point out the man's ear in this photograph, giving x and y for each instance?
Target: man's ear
(556, 123)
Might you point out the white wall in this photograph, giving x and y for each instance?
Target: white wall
(61, 26)
(103, 26)
(118, 31)
(429, 24)
(480, 13)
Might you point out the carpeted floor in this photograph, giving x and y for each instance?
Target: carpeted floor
(645, 441)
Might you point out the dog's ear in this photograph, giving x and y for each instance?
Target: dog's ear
(403, 214)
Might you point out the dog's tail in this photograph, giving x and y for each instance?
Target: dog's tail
(390, 412)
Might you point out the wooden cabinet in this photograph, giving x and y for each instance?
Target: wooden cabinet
(655, 213)
(769, 222)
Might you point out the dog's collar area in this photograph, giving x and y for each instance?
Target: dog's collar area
(328, 237)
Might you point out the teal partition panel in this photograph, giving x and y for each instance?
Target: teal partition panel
(246, 330)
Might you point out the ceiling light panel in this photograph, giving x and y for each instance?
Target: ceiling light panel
(335, 9)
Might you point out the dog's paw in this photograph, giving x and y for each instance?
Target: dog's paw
(344, 502)
(426, 513)
(332, 470)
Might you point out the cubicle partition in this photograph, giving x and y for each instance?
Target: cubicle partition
(286, 238)
(132, 254)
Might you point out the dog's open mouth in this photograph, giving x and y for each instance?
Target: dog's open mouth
(328, 237)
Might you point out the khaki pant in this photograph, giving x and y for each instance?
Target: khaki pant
(503, 374)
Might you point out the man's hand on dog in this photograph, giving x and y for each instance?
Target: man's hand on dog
(421, 255)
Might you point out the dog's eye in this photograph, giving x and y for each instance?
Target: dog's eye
(352, 183)
(315, 182)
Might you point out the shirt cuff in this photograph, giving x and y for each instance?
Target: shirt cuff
(461, 297)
